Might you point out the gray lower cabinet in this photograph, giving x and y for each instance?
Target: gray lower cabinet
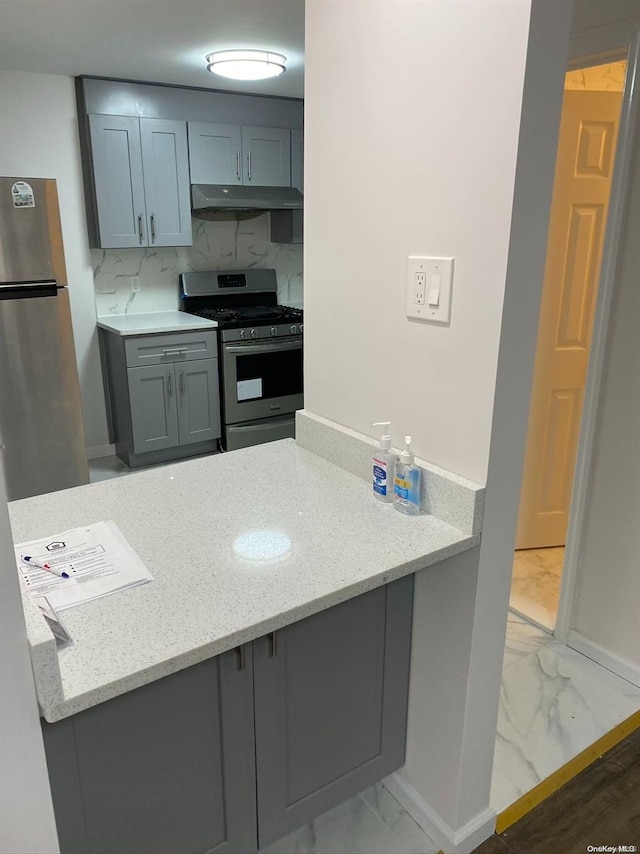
(165, 769)
(152, 402)
(330, 706)
(198, 401)
(174, 405)
(239, 750)
(163, 398)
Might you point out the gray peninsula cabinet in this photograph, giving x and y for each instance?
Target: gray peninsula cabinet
(234, 154)
(162, 394)
(233, 753)
(138, 182)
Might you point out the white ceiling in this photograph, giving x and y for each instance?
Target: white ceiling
(162, 41)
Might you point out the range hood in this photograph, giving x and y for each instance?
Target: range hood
(210, 200)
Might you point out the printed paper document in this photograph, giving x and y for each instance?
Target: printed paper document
(97, 558)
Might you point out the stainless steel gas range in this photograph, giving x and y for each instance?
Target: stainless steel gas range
(260, 345)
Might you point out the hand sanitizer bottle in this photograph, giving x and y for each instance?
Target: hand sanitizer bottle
(384, 465)
(406, 497)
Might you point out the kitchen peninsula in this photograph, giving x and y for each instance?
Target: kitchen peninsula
(269, 654)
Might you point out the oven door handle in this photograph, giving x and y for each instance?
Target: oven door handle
(275, 347)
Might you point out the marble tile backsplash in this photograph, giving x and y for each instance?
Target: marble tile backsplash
(216, 246)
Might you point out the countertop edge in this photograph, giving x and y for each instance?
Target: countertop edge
(59, 710)
(109, 324)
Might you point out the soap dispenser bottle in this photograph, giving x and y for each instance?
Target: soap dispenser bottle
(406, 497)
(384, 465)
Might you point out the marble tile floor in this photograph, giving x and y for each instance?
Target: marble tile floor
(537, 574)
(371, 823)
(554, 703)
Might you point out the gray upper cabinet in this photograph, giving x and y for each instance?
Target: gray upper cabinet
(297, 160)
(330, 706)
(231, 154)
(165, 164)
(267, 156)
(215, 153)
(166, 768)
(198, 401)
(118, 181)
(288, 226)
(141, 181)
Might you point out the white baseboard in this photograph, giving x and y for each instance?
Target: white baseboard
(100, 451)
(618, 664)
(451, 841)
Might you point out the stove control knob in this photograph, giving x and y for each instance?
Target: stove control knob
(274, 331)
(301, 328)
(253, 333)
(293, 329)
(242, 334)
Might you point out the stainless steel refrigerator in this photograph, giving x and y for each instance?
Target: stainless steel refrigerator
(41, 429)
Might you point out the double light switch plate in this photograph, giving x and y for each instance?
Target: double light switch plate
(429, 288)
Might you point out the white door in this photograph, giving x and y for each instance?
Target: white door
(584, 166)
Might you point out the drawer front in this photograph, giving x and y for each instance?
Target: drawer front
(170, 347)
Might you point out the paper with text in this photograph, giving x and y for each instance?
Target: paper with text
(97, 558)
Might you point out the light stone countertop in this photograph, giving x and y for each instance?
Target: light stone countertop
(148, 323)
(205, 529)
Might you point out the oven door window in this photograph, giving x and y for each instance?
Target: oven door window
(261, 376)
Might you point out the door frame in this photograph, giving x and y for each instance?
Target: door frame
(596, 47)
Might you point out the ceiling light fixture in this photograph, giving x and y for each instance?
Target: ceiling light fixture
(246, 64)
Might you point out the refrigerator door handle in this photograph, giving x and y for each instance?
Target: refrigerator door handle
(27, 290)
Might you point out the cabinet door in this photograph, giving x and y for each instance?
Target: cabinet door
(267, 156)
(166, 182)
(297, 160)
(118, 180)
(215, 153)
(152, 402)
(166, 768)
(330, 706)
(198, 401)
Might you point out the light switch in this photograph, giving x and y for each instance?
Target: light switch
(429, 293)
(435, 281)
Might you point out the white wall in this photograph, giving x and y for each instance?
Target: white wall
(26, 813)
(423, 149)
(39, 139)
(608, 588)
(416, 122)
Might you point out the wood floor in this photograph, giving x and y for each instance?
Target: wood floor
(601, 806)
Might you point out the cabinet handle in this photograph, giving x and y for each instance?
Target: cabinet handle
(182, 383)
(273, 644)
(238, 165)
(153, 228)
(140, 231)
(174, 351)
(170, 383)
(241, 659)
(249, 159)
